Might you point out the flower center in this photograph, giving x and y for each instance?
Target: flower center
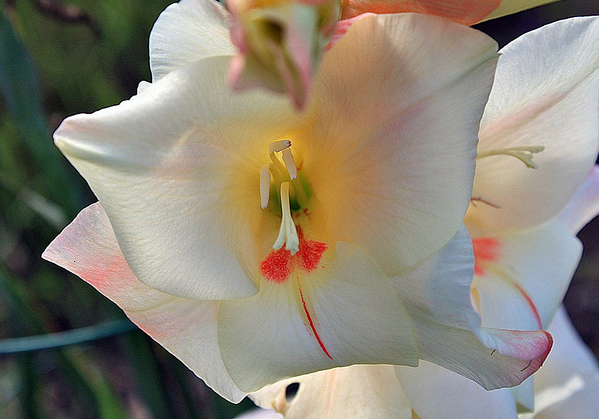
(285, 192)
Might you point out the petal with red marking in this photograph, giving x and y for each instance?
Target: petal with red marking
(345, 312)
(524, 288)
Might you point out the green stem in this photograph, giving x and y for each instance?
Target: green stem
(61, 339)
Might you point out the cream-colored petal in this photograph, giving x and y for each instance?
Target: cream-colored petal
(344, 313)
(177, 170)
(359, 391)
(435, 392)
(390, 156)
(185, 327)
(186, 32)
(545, 94)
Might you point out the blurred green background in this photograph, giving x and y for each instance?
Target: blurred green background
(67, 57)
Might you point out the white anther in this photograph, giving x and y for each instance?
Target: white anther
(264, 185)
(287, 231)
(279, 146)
(289, 163)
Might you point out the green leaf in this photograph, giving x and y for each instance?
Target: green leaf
(21, 93)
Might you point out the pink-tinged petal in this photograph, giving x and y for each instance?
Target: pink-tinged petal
(437, 295)
(400, 168)
(346, 312)
(178, 178)
(523, 288)
(186, 328)
(186, 32)
(552, 103)
(435, 392)
(505, 358)
(359, 391)
(341, 28)
(584, 205)
(465, 12)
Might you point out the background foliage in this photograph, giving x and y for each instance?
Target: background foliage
(58, 59)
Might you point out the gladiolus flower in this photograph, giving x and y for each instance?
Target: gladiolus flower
(523, 222)
(257, 243)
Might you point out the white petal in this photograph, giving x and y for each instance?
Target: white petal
(581, 403)
(584, 205)
(359, 391)
(186, 328)
(545, 94)
(568, 383)
(435, 392)
(569, 357)
(344, 313)
(175, 169)
(395, 153)
(186, 32)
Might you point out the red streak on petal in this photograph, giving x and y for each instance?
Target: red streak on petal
(279, 264)
(531, 303)
(313, 327)
(486, 249)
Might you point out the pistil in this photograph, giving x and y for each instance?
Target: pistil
(525, 154)
(287, 231)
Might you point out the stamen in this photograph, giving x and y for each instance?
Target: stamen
(264, 185)
(289, 163)
(287, 232)
(475, 199)
(278, 146)
(525, 154)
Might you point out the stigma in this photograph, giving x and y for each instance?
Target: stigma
(525, 154)
(287, 231)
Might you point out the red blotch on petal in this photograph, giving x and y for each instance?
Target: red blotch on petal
(486, 249)
(276, 267)
(279, 264)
